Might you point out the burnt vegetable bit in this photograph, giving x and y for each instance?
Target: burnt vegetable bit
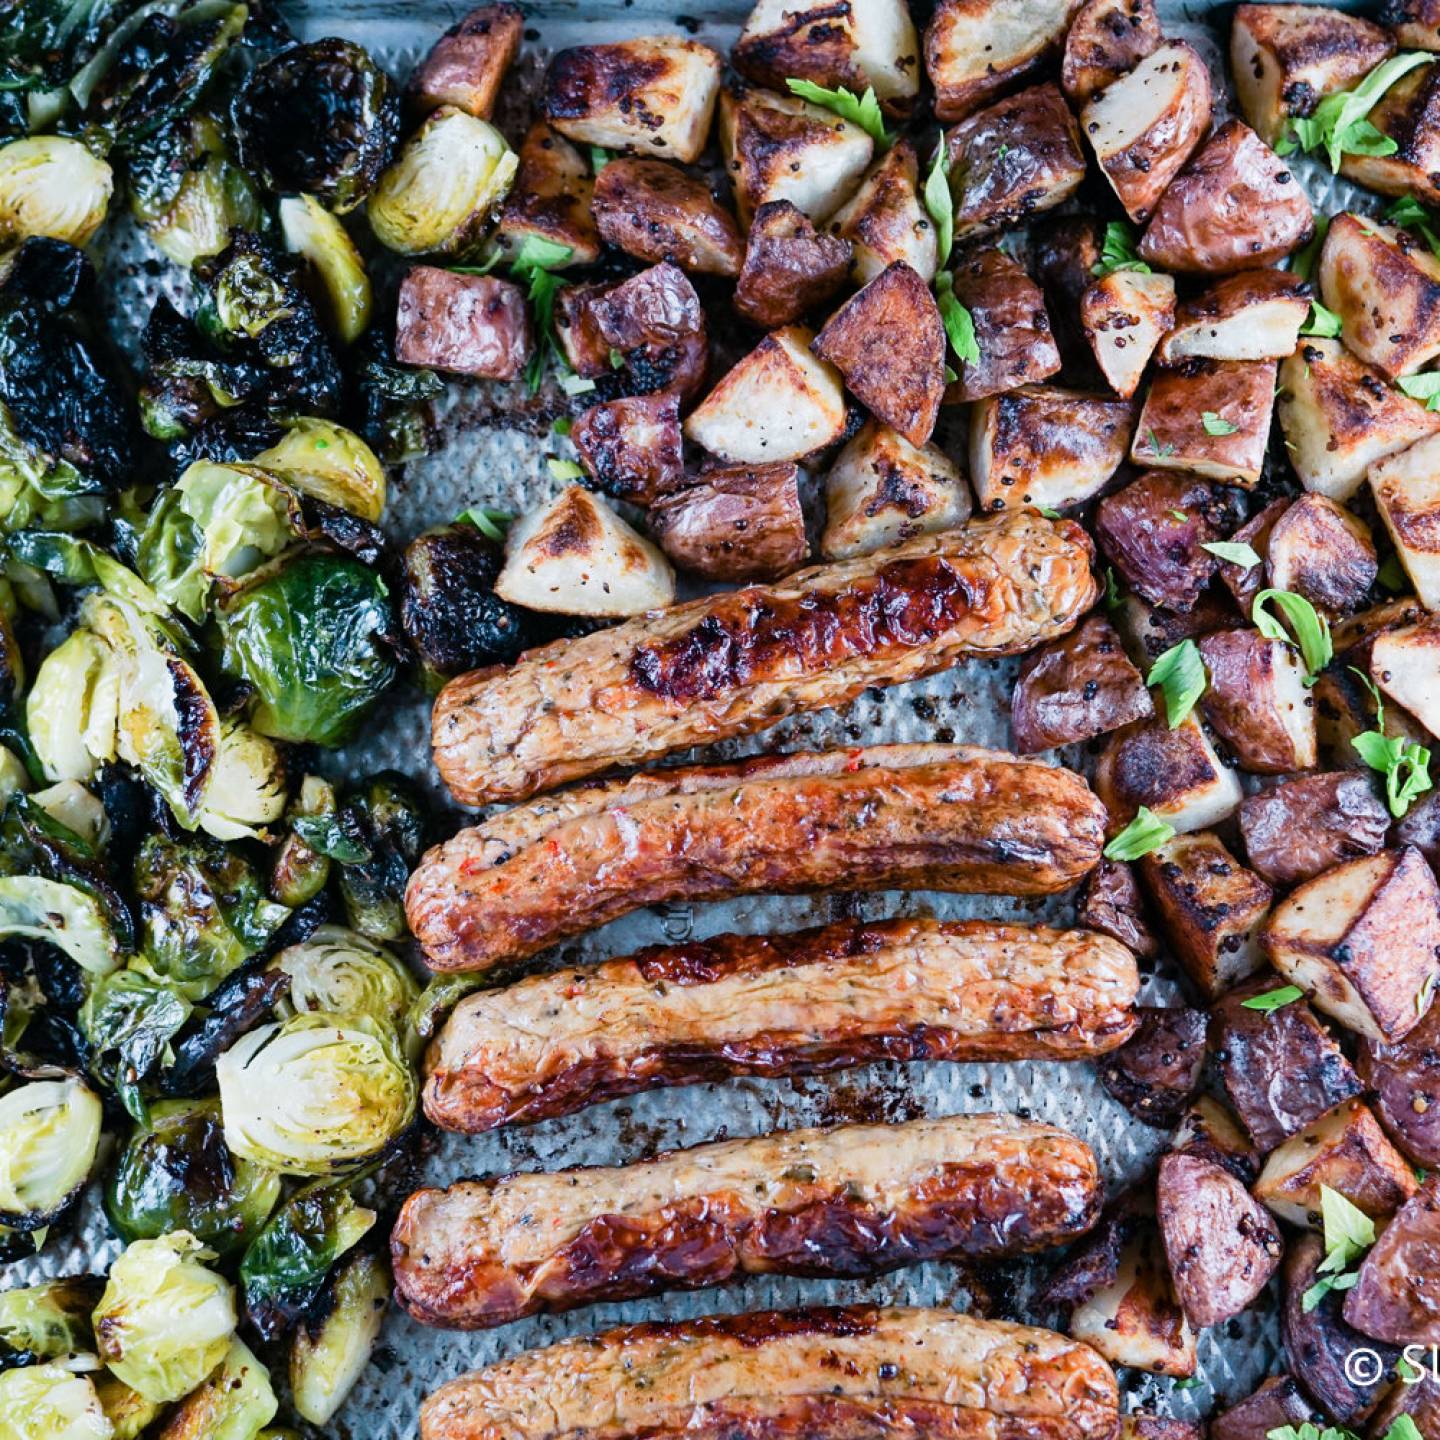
(385, 819)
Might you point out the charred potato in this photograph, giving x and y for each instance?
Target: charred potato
(1124, 315)
(1210, 908)
(1320, 550)
(888, 343)
(631, 447)
(1156, 1072)
(653, 95)
(1138, 1426)
(1042, 446)
(1107, 39)
(882, 489)
(1012, 329)
(1150, 630)
(1144, 125)
(1210, 1129)
(1076, 688)
(1405, 664)
(1406, 1081)
(1258, 702)
(976, 49)
(1394, 1299)
(1418, 1397)
(1407, 115)
(1245, 582)
(1255, 315)
(1415, 23)
(1175, 773)
(476, 325)
(789, 266)
(1012, 160)
(1363, 941)
(466, 65)
(1277, 1403)
(884, 221)
(1300, 828)
(1406, 487)
(1235, 206)
(1421, 828)
(1066, 253)
(654, 211)
(1345, 708)
(1210, 418)
(735, 523)
(550, 199)
(1110, 902)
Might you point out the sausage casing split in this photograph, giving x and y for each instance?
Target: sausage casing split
(853, 1200)
(823, 999)
(857, 1373)
(735, 663)
(936, 817)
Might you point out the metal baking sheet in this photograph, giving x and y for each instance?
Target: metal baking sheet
(493, 452)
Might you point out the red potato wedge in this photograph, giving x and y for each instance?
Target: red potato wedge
(1210, 418)
(1110, 902)
(977, 49)
(1319, 550)
(467, 64)
(1106, 39)
(1175, 774)
(550, 199)
(631, 447)
(1255, 315)
(1406, 487)
(789, 267)
(884, 220)
(1012, 328)
(1405, 1079)
(1302, 827)
(1407, 114)
(655, 211)
(1124, 316)
(1258, 702)
(1394, 1299)
(1156, 1072)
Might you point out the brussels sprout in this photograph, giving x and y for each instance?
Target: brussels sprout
(233, 1404)
(48, 1321)
(165, 1321)
(176, 1173)
(330, 1351)
(14, 777)
(330, 463)
(311, 231)
(438, 197)
(54, 187)
(439, 997)
(301, 869)
(130, 1018)
(285, 1267)
(49, 1133)
(319, 119)
(130, 1414)
(49, 1402)
(71, 805)
(399, 420)
(308, 634)
(387, 817)
(73, 708)
(315, 1093)
(40, 909)
(337, 970)
(247, 789)
(203, 912)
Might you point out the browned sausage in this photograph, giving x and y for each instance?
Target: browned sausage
(817, 1000)
(733, 663)
(824, 1374)
(939, 817)
(853, 1200)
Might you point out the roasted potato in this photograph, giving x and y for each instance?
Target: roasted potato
(1285, 59)
(1075, 688)
(1210, 1129)
(653, 95)
(1258, 702)
(1156, 1072)
(1110, 902)
(1064, 253)
(1279, 1401)
(1408, 115)
(631, 447)
(976, 49)
(882, 489)
(1421, 828)
(1340, 416)
(779, 147)
(1363, 941)
(655, 211)
(1152, 531)
(734, 522)
(1144, 125)
(467, 63)
(884, 220)
(576, 556)
(1012, 329)
(1394, 1299)
(1012, 160)
(1106, 39)
(1124, 315)
(1345, 1150)
(1235, 206)
(577, 328)
(1300, 828)
(781, 402)
(789, 266)
(1148, 631)
(1210, 908)
(1255, 315)
(1418, 1397)
(1245, 582)
(1211, 417)
(1345, 708)
(1222, 1245)
(655, 321)
(1041, 446)
(1175, 773)
(1355, 635)
(868, 44)
(1405, 664)
(1320, 550)
(1405, 1079)
(550, 199)
(1139, 1426)
(888, 343)
(1280, 1068)
(476, 325)
(1406, 486)
(1415, 23)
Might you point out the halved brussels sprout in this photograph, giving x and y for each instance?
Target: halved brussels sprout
(234, 1403)
(70, 804)
(48, 1321)
(247, 788)
(301, 867)
(315, 1093)
(165, 1321)
(330, 463)
(336, 970)
(49, 1133)
(14, 777)
(128, 1411)
(73, 708)
(51, 186)
(70, 919)
(329, 1352)
(177, 1173)
(49, 1402)
(311, 231)
(438, 197)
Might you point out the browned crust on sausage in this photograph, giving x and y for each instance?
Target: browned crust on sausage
(819, 1374)
(938, 817)
(734, 663)
(854, 1200)
(804, 1003)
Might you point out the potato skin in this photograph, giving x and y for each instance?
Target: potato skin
(1203, 325)
(734, 523)
(789, 266)
(466, 65)
(1320, 550)
(1254, 700)
(550, 198)
(1110, 902)
(1171, 432)
(1405, 1078)
(1211, 1130)
(976, 49)
(1277, 1403)
(476, 325)
(654, 211)
(1124, 316)
(1302, 827)
(1106, 38)
(631, 447)
(884, 220)
(1012, 328)
(1394, 1299)
(1156, 1072)
(1175, 773)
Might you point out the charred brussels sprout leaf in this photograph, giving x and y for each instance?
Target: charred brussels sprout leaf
(319, 119)
(247, 999)
(310, 635)
(130, 1020)
(234, 1403)
(395, 401)
(327, 462)
(48, 1321)
(302, 863)
(330, 1350)
(49, 1133)
(176, 1173)
(387, 817)
(313, 233)
(53, 1401)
